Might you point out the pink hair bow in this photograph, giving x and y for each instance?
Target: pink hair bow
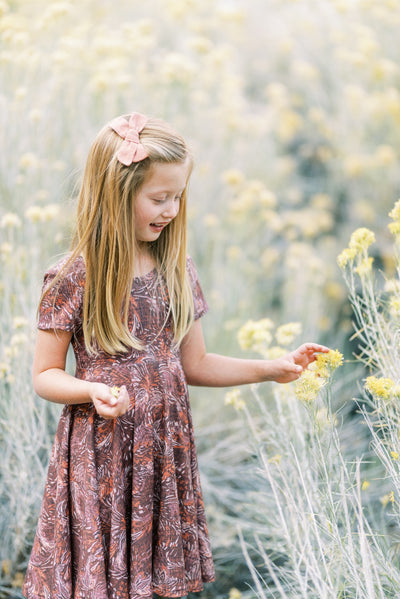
(131, 149)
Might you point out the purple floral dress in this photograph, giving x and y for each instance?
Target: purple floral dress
(122, 514)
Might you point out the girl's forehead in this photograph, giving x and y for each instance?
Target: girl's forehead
(165, 175)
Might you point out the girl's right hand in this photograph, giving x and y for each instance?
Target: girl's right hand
(106, 403)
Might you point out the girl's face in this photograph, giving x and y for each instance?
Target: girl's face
(157, 201)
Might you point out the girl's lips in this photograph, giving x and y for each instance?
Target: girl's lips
(158, 225)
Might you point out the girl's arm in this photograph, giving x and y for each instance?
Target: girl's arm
(51, 382)
(213, 370)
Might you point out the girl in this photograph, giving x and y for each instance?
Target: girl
(122, 515)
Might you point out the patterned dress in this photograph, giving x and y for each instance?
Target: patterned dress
(122, 514)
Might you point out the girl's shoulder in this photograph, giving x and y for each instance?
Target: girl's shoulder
(62, 295)
(65, 268)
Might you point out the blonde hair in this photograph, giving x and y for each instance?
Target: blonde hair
(105, 237)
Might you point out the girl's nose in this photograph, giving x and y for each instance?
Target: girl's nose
(171, 209)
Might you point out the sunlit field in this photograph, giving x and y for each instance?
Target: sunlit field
(292, 111)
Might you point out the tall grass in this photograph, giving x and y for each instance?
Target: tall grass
(293, 113)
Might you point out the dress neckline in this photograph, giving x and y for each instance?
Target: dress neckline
(146, 275)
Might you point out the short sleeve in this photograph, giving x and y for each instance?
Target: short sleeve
(61, 306)
(200, 304)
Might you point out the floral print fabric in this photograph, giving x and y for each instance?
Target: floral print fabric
(122, 515)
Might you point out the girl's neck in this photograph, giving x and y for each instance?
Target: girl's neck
(144, 261)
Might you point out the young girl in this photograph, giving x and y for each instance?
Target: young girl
(123, 515)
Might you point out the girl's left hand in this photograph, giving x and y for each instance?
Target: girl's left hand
(306, 353)
(297, 361)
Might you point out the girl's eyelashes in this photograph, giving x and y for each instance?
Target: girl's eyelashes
(162, 200)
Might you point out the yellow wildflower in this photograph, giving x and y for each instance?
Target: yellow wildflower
(255, 335)
(9, 220)
(389, 497)
(361, 239)
(395, 212)
(19, 322)
(115, 391)
(210, 220)
(233, 177)
(394, 306)
(234, 594)
(275, 459)
(394, 455)
(364, 267)
(365, 485)
(233, 398)
(346, 256)
(286, 333)
(4, 370)
(326, 363)
(34, 213)
(308, 386)
(394, 228)
(379, 387)
(5, 249)
(274, 352)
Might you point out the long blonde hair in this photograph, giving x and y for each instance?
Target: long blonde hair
(105, 237)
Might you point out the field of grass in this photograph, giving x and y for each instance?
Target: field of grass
(292, 111)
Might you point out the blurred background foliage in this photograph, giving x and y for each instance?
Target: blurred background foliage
(292, 111)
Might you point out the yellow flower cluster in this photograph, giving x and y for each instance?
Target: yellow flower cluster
(326, 364)
(346, 256)
(388, 498)
(394, 214)
(382, 388)
(233, 398)
(313, 379)
(360, 241)
(286, 333)
(256, 335)
(308, 386)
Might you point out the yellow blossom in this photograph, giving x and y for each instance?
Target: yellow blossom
(10, 220)
(233, 177)
(234, 594)
(361, 239)
(34, 213)
(18, 339)
(345, 257)
(4, 370)
(211, 220)
(233, 398)
(379, 387)
(364, 267)
(389, 497)
(274, 352)
(365, 485)
(394, 306)
(115, 391)
(233, 252)
(255, 335)
(286, 333)
(289, 124)
(275, 459)
(395, 212)
(28, 160)
(5, 249)
(394, 228)
(394, 455)
(308, 386)
(19, 322)
(326, 363)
